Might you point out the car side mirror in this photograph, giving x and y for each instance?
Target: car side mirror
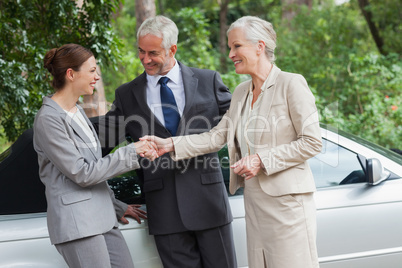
(375, 171)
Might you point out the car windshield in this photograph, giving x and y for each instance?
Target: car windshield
(375, 147)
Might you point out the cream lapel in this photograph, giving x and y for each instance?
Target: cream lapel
(266, 103)
(236, 106)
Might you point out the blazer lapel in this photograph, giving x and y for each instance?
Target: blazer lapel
(190, 84)
(266, 102)
(139, 92)
(238, 104)
(98, 152)
(85, 142)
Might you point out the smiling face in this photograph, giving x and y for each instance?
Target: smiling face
(243, 53)
(154, 57)
(86, 77)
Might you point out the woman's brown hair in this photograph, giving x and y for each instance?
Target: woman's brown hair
(58, 60)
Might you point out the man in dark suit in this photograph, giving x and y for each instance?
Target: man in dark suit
(187, 203)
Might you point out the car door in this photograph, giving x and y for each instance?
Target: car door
(359, 225)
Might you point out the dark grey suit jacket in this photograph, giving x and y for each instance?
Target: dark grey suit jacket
(184, 195)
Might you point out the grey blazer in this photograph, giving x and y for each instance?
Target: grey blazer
(80, 202)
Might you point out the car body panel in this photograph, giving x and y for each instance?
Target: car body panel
(348, 222)
(358, 225)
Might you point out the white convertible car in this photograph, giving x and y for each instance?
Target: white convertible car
(359, 208)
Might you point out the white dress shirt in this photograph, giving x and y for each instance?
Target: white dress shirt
(80, 120)
(175, 84)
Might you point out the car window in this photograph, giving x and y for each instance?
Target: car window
(128, 188)
(336, 165)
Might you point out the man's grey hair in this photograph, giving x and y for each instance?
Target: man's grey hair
(257, 29)
(161, 27)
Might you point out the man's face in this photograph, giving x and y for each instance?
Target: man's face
(154, 57)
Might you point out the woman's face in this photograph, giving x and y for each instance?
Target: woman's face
(243, 53)
(87, 77)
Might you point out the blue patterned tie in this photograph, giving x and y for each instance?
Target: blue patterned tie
(169, 107)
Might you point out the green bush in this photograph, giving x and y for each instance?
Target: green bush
(373, 98)
(356, 88)
(28, 28)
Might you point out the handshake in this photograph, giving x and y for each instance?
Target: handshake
(153, 147)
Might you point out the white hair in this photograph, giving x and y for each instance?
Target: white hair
(161, 27)
(256, 30)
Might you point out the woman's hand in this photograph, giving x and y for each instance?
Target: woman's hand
(146, 149)
(135, 212)
(248, 166)
(163, 145)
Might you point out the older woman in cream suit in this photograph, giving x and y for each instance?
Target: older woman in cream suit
(271, 130)
(81, 208)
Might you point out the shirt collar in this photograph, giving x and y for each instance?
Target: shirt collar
(173, 75)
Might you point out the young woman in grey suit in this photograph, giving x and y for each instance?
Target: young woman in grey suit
(271, 129)
(82, 210)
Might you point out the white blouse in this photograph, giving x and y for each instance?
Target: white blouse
(80, 120)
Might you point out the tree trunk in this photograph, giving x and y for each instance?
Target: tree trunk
(95, 104)
(290, 8)
(222, 33)
(363, 4)
(143, 10)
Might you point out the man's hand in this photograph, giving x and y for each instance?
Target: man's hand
(163, 145)
(135, 212)
(146, 149)
(248, 166)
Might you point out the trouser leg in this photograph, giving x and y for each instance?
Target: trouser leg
(119, 253)
(89, 252)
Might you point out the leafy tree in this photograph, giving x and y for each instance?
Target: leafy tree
(332, 47)
(28, 28)
(384, 21)
(373, 99)
(194, 46)
(128, 65)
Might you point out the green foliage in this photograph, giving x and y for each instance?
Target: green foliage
(374, 99)
(4, 145)
(194, 46)
(28, 28)
(387, 15)
(317, 44)
(356, 89)
(332, 47)
(128, 66)
(370, 105)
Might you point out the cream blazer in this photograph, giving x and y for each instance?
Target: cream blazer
(287, 134)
